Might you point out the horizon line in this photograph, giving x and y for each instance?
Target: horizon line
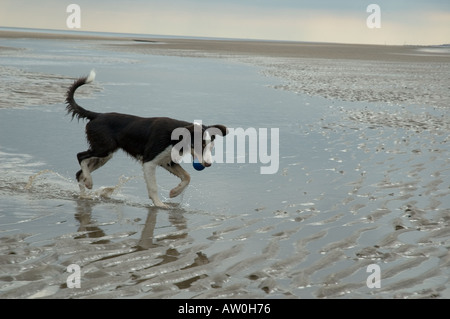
(168, 36)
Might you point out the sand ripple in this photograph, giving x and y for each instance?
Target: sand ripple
(370, 81)
(20, 88)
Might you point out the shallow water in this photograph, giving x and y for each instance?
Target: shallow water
(358, 184)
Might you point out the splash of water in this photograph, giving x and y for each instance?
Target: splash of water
(33, 177)
(103, 192)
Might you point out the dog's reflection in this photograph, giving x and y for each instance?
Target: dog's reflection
(176, 218)
(83, 215)
(89, 228)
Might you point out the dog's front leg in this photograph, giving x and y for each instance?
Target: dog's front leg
(178, 171)
(152, 187)
(85, 178)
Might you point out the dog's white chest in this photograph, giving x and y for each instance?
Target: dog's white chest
(164, 157)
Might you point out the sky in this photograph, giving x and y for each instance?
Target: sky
(345, 21)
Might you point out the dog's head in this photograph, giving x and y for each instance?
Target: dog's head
(196, 139)
(202, 141)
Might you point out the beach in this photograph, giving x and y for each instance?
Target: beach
(361, 188)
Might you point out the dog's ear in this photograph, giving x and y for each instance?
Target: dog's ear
(194, 127)
(190, 128)
(217, 129)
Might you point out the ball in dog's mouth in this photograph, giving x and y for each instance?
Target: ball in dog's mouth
(197, 165)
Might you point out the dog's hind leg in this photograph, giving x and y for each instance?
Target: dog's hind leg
(178, 171)
(89, 164)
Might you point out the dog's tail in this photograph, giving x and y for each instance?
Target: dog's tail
(72, 106)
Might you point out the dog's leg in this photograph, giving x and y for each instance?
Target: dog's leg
(80, 179)
(179, 171)
(152, 186)
(88, 165)
(85, 177)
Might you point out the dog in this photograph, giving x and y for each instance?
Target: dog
(150, 140)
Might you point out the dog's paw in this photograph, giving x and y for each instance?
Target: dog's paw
(162, 205)
(88, 183)
(82, 180)
(158, 203)
(178, 190)
(175, 192)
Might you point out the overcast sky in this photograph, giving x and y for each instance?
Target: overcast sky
(402, 22)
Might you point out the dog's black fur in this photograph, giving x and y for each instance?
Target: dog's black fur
(142, 138)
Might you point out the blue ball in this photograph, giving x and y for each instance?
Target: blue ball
(197, 165)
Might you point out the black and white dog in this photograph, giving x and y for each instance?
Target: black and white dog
(149, 140)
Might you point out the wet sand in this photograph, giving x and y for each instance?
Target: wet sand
(298, 50)
(349, 72)
(363, 178)
(373, 73)
(279, 49)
